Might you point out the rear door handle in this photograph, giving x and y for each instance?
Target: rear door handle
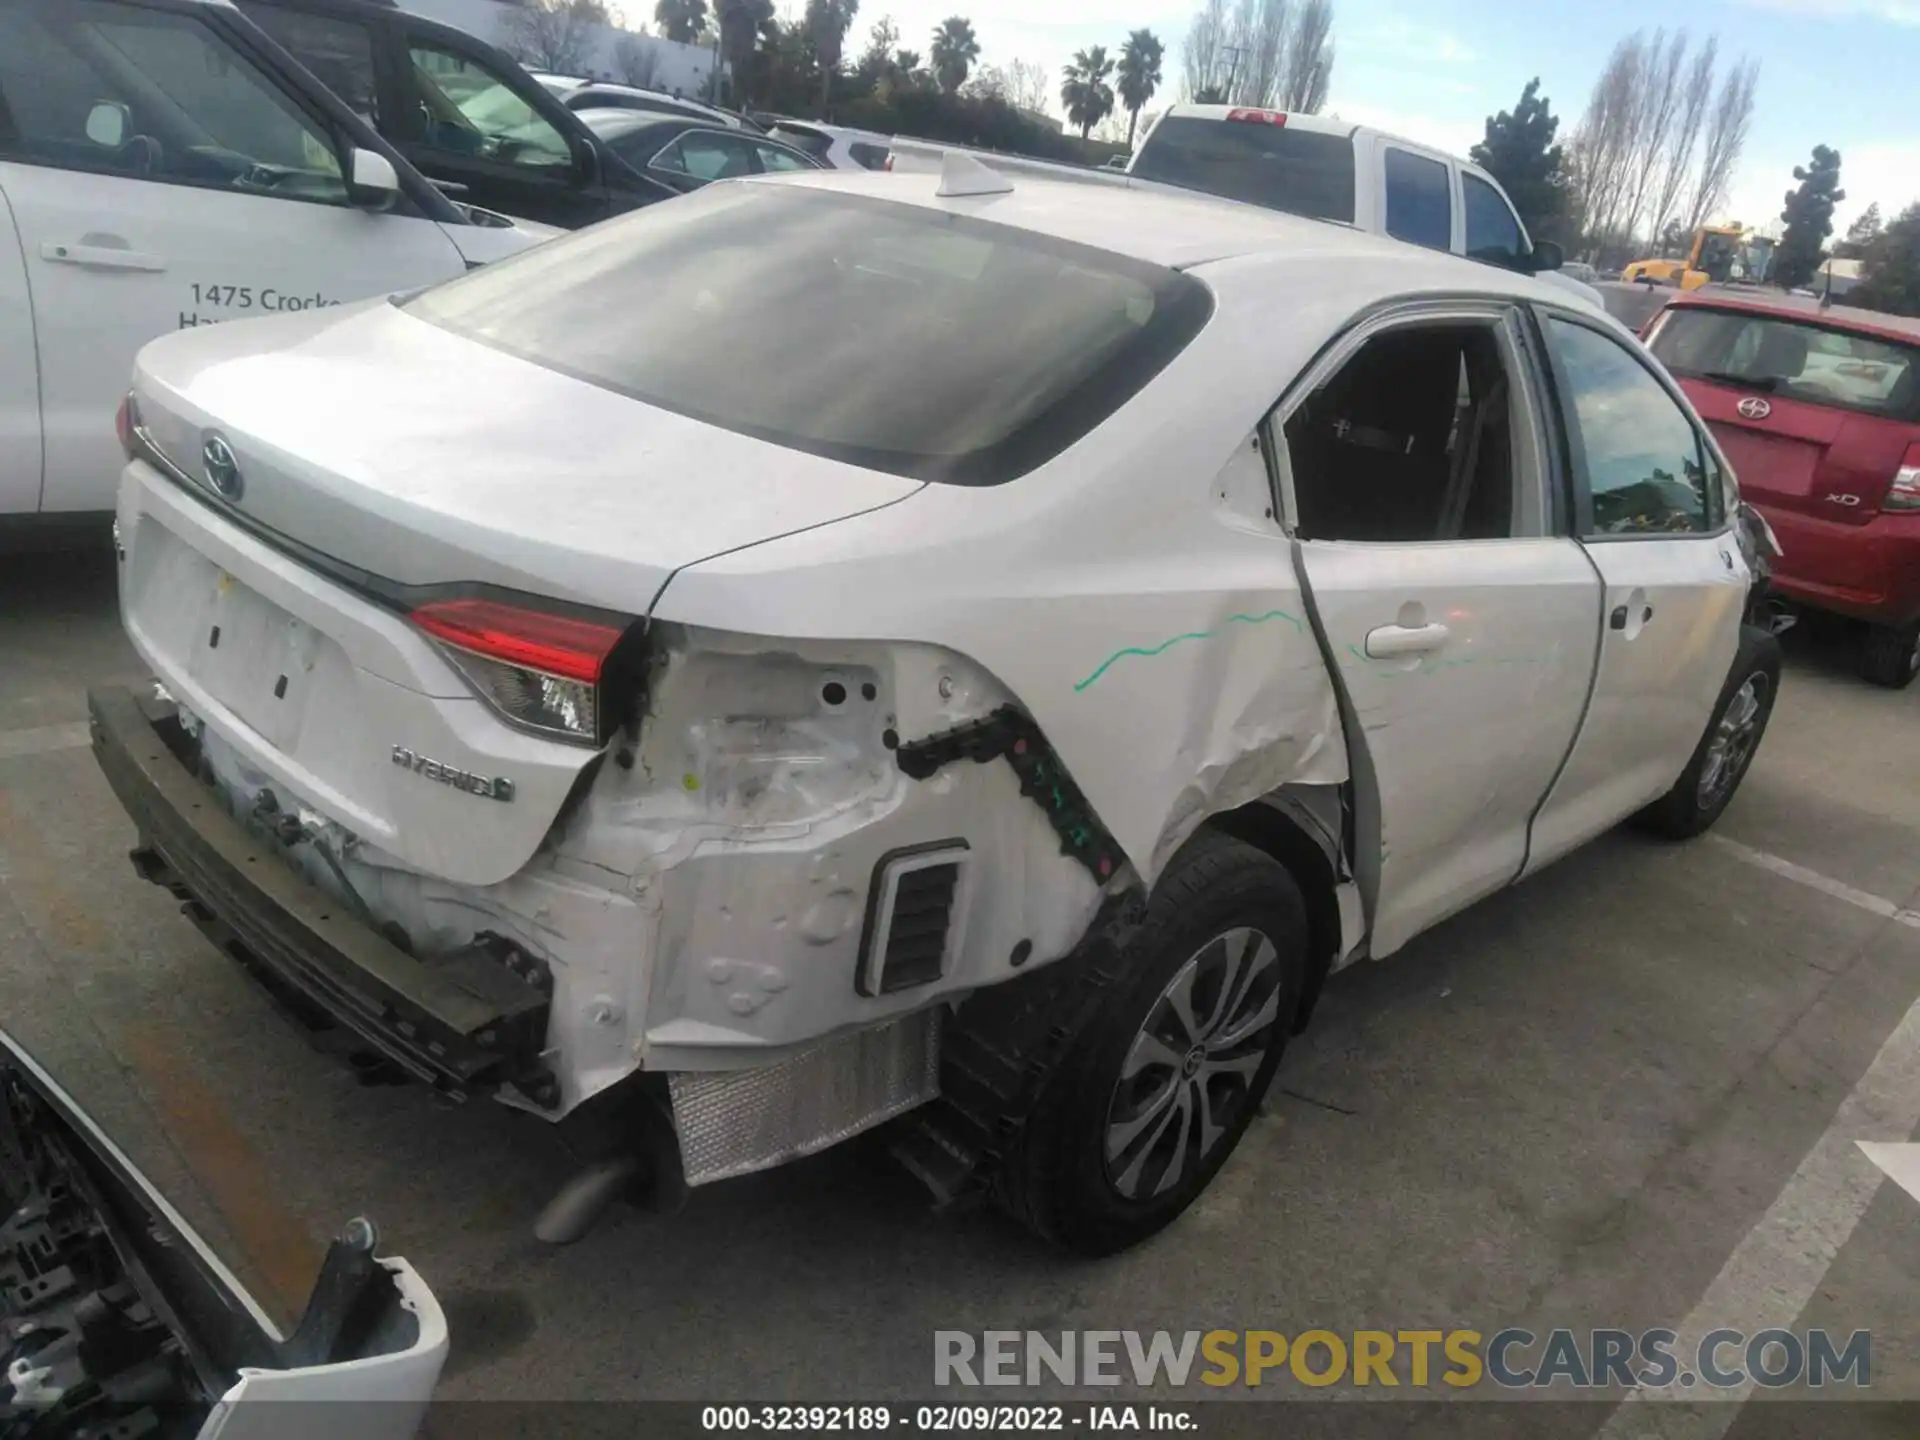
(100, 257)
(1391, 640)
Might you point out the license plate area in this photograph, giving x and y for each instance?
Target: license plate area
(255, 658)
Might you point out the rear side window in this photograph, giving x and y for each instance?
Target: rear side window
(1775, 355)
(869, 156)
(929, 345)
(1638, 456)
(1493, 234)
(1419, 208)
(811, 141)
(1304, 172)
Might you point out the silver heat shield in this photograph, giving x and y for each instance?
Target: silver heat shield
(737, 1121)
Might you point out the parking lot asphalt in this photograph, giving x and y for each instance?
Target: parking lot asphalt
(1618, 1095)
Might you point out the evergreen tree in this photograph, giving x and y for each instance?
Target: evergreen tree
(1519, 152)
(1809, 218)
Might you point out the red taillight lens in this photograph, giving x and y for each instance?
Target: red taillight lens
(1258, 117)
(889, 161)
(1904, 494)
(540, 670)
(555, 644)
(126, 422)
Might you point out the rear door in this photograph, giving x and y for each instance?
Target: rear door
(19, 378)
(162, 174)
(1649, 507)
(1460, 628)
(472, 118)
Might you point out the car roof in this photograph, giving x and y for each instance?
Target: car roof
(833, 132)
(1905, 329)
(1296, 120)
(1182, 229)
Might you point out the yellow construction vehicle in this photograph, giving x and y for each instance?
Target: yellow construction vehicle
(1718, 255)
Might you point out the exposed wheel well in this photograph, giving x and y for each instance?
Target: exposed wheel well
(1280, 836)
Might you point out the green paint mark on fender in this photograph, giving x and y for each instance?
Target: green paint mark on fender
(1166, 645)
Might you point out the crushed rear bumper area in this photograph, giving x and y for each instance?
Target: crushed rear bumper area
(465, 1023)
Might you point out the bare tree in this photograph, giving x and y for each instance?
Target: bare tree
(1603, 146)
(552, 35)
(1309, 72)
(1257, 50)
(636, 62)
(1653, 117)
(1203, 59)
(1683, 136)
(1029, 86)
(1726, 138)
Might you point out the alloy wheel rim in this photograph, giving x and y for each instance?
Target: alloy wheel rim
(1733, 742)
(1188, 1075)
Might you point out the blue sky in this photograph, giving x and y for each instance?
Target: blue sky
(1836, 72)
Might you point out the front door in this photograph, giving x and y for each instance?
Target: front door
(1461, 629)
(1650, 508)
(160, 179)
(19, 379)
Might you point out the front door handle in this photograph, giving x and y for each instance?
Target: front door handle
(100, 257)
(1391, 640)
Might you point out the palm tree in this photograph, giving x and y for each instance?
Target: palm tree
(681, 20)
(740, 22)
(1140, 61)
(829, 21)
(1085, 92)
(954, 50)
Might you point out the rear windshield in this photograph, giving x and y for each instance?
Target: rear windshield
(889, 336)
(1304, 172)
(1773, 355)
(811, 141)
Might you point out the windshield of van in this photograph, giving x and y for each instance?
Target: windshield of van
(895, 337)
(1304, 172)
(1775, 355)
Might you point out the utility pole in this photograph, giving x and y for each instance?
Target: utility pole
(1233, 69)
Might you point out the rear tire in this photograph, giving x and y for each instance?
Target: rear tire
(1890, 655)
(1708, 784)
(1170, 1069)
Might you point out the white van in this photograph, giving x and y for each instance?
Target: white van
(163, 164)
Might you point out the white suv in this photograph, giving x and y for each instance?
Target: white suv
(163, 165)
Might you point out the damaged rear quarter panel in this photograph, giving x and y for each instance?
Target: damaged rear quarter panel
(1135, 594)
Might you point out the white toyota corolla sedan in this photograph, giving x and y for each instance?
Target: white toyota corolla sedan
(849, 645)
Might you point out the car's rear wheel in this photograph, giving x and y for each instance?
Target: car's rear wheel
(1890, 655)
(1168, 1073)
(1706, 787)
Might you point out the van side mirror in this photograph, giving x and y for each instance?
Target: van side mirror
(1545, 255)
(373, 183)
(108, 123)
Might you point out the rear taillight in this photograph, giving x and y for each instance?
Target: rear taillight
(1258, 117)
(889, 164)
(126, 423)
(542, 671)
(1904, 494)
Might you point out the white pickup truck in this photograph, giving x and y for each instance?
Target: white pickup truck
(1320, 167)
(164, 164)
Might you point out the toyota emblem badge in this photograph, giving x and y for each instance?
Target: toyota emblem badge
(221, 469)
(1754, 408)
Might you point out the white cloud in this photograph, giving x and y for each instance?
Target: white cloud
(1402, 39)
(1894, 12)
(1456, 137)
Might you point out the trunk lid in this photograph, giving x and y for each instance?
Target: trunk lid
(377, 453)
(390, 444)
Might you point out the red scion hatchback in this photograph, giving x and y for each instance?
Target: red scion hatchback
(1819, 413)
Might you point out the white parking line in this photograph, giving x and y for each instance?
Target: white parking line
(42, 740)
(1773, 1272)
(1814, 880)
